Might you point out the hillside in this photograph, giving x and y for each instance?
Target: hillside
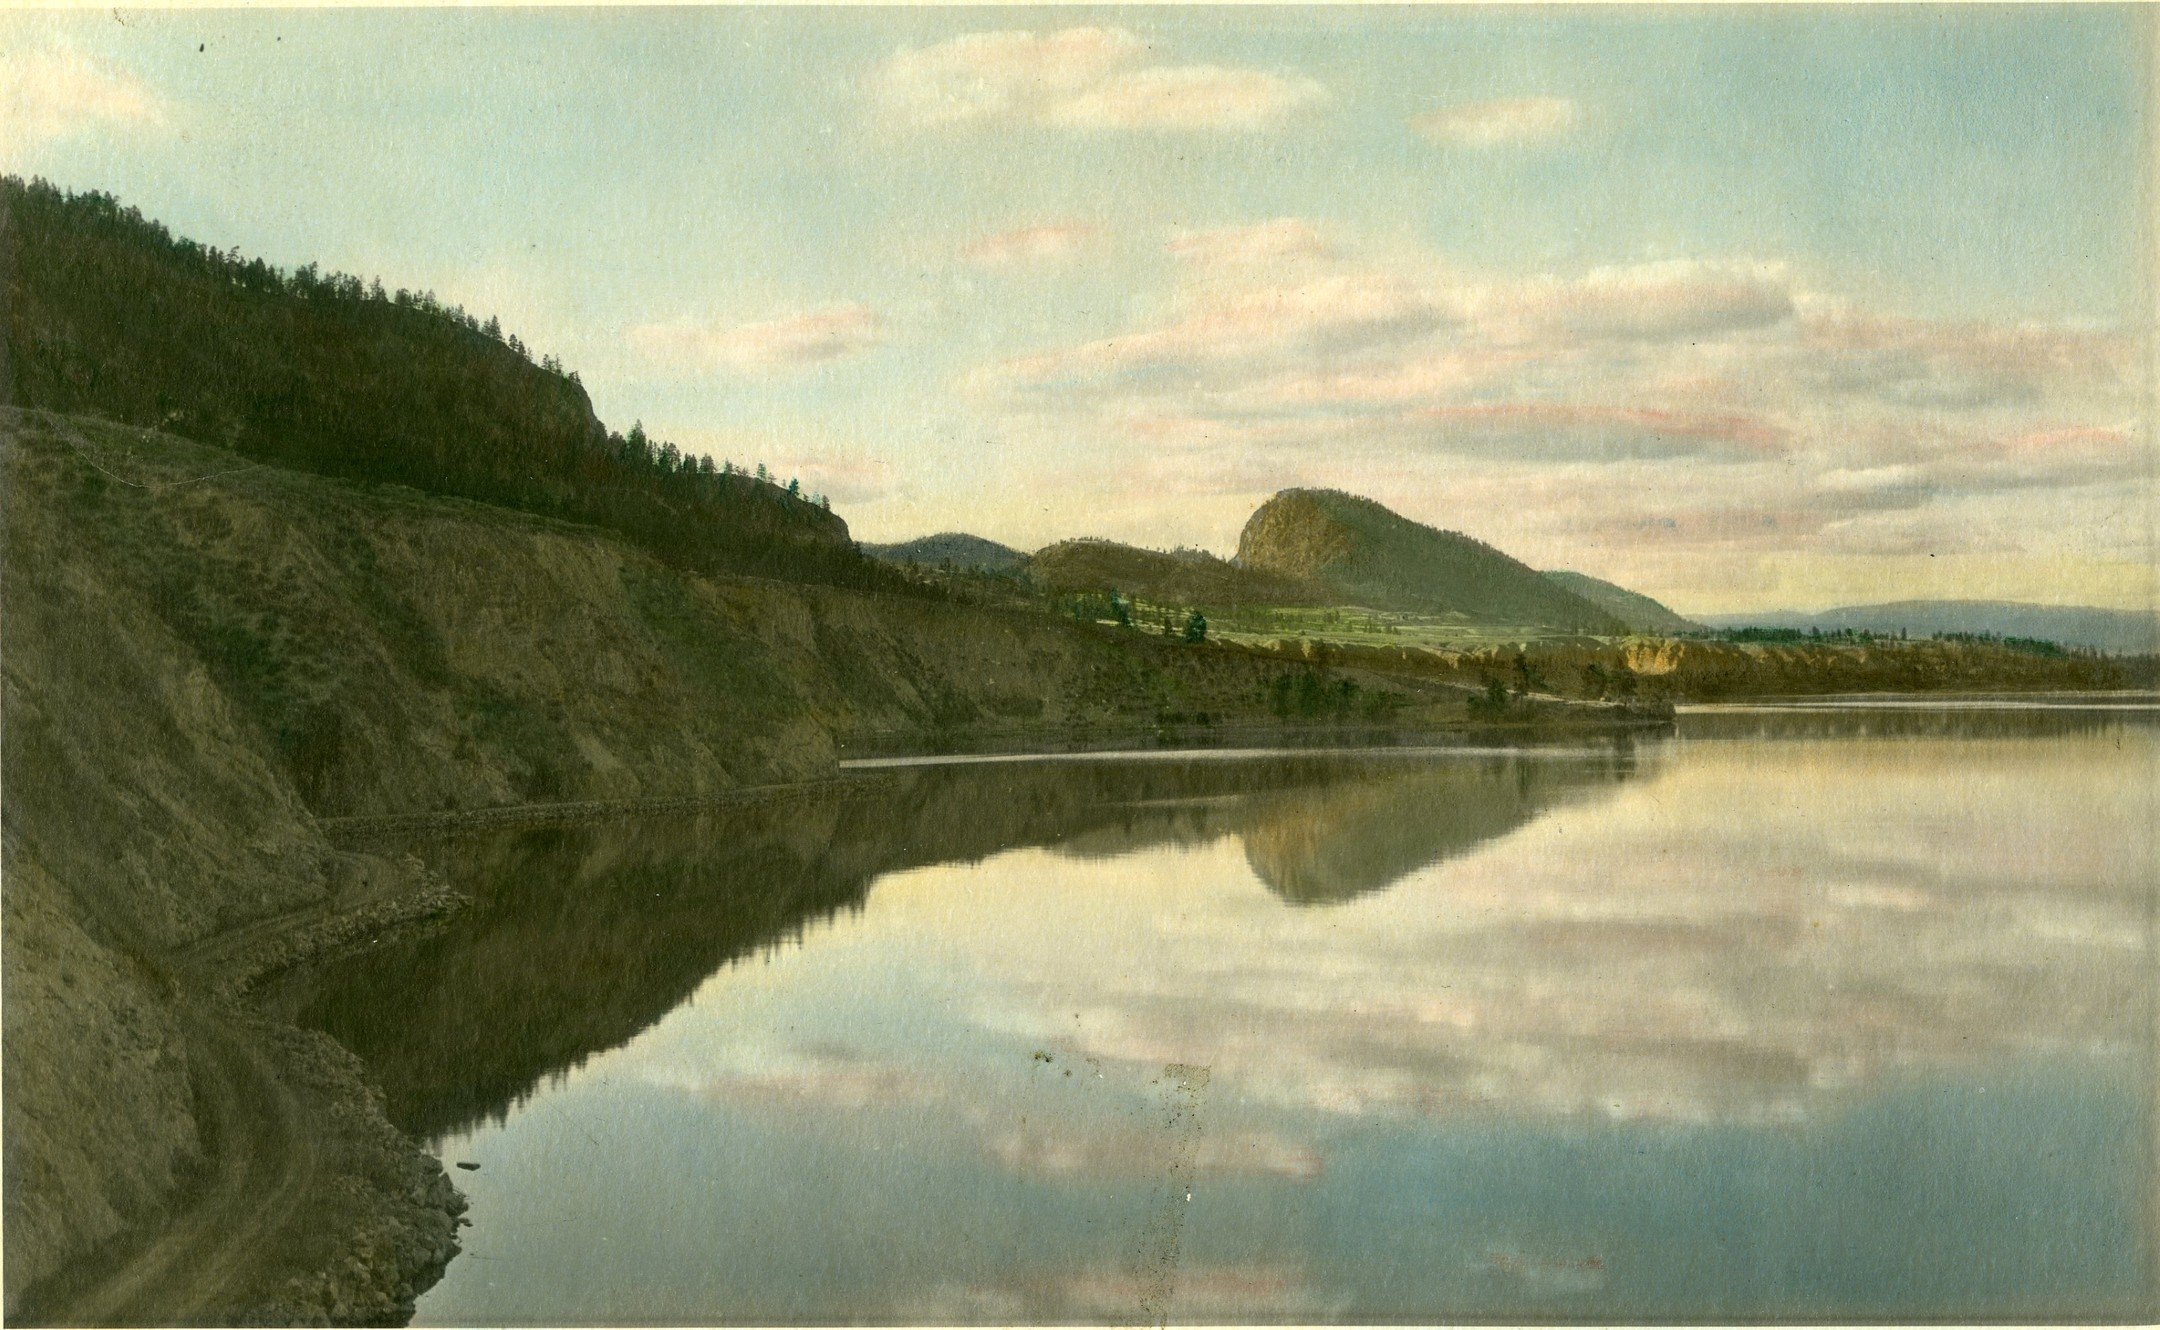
(108, 314)
(1371, 556)
(208, 658)
(958, 548)
(280, 550)
(1639, 612)
(2070, 625)
(1179, 577)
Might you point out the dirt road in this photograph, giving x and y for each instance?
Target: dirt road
(262, 1161)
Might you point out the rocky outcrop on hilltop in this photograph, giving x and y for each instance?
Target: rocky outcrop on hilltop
(1368, 555)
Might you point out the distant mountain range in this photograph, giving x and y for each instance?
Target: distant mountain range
(2071, 625)
(1312, 547)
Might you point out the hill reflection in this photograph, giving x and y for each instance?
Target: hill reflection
(582, 937)
(1333, 843)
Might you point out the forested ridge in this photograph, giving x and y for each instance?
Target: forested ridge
(109, 314)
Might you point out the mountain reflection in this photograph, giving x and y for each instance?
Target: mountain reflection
(1344, 840)
(1890, 718)
(581, 937)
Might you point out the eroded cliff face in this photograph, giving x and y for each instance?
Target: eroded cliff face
(379, 651)
(204, 658)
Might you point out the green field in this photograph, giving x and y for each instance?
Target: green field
(1348, 625)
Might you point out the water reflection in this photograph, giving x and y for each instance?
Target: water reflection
(583, 936)
(1907, 718)
(1329, 844)
(1794, 1015)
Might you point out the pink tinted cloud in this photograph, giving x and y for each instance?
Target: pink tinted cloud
(1651, 301)
(1685, 430)
(1081, 78)
(1125, 1153)
(1033, 245)
(1287, 357)
(792, 342)
(1501, 122)
(1258, 245)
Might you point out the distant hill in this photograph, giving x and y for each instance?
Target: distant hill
(1371, 556)
(1180, 577)
(2071, 625)
(957, 548)
(108, 314)
(1640, 613)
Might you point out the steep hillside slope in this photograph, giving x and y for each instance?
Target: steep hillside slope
(205, 657)
(146, 811)
(1372, 556)
(1180, 577)
(1639, 612)
(389, 651)
(957, 548)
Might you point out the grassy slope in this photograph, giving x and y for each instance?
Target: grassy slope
(1639, 612)
(1183, 578)
(1377, 558)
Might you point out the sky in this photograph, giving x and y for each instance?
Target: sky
(1743, 308)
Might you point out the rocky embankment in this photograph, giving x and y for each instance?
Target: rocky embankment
(208, 660)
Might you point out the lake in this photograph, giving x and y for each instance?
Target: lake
(1786, 1012)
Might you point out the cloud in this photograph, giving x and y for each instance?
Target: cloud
(1033, 245)
(1099, 1154)
(793, 342)
(1189, 97)
(52, 93)
(1573, 413)
(806, 1079)
(1543, 430)
(841, 480)
(843, 471)
(1958, 365)
(1079, 78)
(1262, 244)
(1519, 120)
(1648, 300)
(1218, 1294)
(1613, 975)
(1226, 336)
(999, 75)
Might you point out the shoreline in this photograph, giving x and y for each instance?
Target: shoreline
(378, 1212)
(376, 1243)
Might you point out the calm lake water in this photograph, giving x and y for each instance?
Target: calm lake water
(1785, 1013)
